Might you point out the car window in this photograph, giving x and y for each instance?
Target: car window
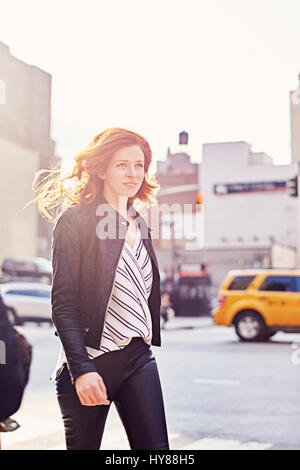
(297, 281)
(44, 294)
(30, 293)
(241, 282)
(279, 284)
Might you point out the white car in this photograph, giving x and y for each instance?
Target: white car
(27, 301)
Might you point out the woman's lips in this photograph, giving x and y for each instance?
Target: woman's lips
(130, 185)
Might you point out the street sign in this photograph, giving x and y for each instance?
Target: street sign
(221, 189)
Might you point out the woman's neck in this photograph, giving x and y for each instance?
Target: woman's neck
(118, 202)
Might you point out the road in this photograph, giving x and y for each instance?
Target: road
(219, 393)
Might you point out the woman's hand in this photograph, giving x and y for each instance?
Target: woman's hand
(91, 390)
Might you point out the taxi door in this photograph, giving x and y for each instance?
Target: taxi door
(280, 300)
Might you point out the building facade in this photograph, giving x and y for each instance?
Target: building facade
(295, 154)
(245, 213)
(179, 214)
(25, 147)
(245, 199)
(19, 227)
(295, 123)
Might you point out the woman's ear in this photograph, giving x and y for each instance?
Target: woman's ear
(102, 176)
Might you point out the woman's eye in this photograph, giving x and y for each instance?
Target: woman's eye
(140, 165)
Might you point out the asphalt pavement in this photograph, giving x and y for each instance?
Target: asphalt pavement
(219, 393)
(39, 416)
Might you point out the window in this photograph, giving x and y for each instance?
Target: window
(184, 292)
(192, 289)
(297, 280)
(241, 282)
(29, 293)
(279, 284)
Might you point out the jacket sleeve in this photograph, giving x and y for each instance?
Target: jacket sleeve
(65, 294)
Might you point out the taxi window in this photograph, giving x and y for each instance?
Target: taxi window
(279, 284)
(241, 282)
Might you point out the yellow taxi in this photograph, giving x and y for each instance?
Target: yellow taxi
(259, 302)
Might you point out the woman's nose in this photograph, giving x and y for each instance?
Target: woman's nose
(131, 171)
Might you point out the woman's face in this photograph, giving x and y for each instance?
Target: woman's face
(125, 172)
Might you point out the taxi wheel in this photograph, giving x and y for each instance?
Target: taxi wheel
(249, 326)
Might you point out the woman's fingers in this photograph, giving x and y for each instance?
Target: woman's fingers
(91, 389)
(85, 399)
(92, 399)
(102, 386)
(98, 396)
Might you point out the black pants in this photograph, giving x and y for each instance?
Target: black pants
(132, 382)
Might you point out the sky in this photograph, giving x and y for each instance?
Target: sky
(219, 69)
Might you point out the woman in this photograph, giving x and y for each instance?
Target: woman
(106, 292)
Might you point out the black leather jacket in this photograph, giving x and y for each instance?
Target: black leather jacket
(84, 267)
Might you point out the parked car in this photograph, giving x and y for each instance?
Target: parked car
(27, 301)
(27, 269)
(259, 302)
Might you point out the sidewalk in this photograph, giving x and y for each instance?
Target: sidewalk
(189, 322)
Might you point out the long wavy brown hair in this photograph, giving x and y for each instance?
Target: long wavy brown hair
(54, 192)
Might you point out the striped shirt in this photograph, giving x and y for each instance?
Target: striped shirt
(127, 313)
